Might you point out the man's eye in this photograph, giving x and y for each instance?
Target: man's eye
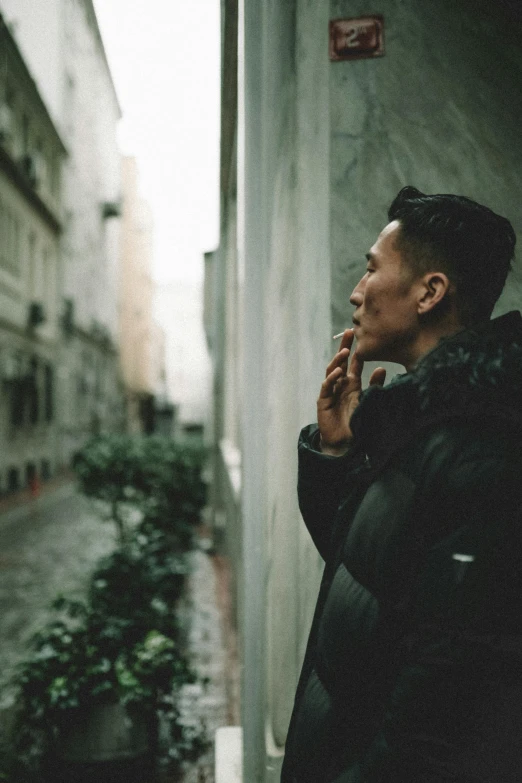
(369, 269)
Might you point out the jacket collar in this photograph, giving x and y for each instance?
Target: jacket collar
(475, 373)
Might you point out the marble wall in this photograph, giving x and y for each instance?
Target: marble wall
(284, 246)
(323, 147)
(441, 111)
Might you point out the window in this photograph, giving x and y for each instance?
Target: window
(10, 245)
(54, 174)
(32, 391)
(30, 473)
(3, 227)
(45, 470)
(18, 389)
(46, 281)
(32, 266)
(41, 171)
(49, 392)
(13, 480)
(25, 134)
(15, 252)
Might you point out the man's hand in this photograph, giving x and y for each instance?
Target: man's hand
(339, 397)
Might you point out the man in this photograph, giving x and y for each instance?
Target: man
(412, 494)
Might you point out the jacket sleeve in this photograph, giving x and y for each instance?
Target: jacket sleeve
(323, 481)
(454, 712)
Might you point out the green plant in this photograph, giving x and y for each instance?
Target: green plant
(85, 657)
(123, 644)
(149, 475)
(142, 584)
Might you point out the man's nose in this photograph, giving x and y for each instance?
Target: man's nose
(356, 297)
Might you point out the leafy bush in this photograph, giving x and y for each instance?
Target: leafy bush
(85, 657)
(154, 474)
(123, 644)
(171, 472)
(143, 587)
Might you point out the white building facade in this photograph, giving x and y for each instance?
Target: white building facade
(61, 44)
(32, 155)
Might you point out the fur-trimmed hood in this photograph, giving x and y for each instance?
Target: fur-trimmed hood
(476, 373)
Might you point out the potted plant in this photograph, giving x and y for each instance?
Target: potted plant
(105, 675)
(143, 584)
(91, 690)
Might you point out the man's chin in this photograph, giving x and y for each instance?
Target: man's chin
(367, 354)
(379, 356)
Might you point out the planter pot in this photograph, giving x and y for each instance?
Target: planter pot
(138, 770)
(104, 743)
(104, 732)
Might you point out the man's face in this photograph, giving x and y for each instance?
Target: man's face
(385, 320)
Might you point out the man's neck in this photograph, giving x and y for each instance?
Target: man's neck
(428, 339)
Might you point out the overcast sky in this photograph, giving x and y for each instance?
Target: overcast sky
(164, 58)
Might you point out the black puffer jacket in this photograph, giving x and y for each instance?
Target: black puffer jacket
(413, 671)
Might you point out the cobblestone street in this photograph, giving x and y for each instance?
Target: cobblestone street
(49, 546)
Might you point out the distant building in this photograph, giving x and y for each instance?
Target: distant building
(179, 311)
(62, 46)
(312, 153)
(32, 154)
(90, 376)
(142, 342)
(165, 412)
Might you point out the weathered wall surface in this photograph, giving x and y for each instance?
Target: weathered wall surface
(297, 333)
(280, 328)
(286, 344)
(323, 149)
(440, 111)
(41, 44)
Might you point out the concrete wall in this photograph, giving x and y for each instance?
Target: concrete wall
(323, 148)
(284, 246)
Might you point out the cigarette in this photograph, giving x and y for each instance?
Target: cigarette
(336, 336)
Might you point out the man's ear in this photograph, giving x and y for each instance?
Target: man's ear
(435, 287)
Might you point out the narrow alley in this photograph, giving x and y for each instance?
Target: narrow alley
(49, 545)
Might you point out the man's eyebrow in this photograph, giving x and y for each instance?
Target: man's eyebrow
(370, 257)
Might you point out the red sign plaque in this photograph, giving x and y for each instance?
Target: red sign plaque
(354, 39)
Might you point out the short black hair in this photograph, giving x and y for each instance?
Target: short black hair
(471, 244)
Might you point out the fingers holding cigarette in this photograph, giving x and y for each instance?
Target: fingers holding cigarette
(347, 338)
(341, 357)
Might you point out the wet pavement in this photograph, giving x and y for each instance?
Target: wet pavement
(205, 705)
(50, 545)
